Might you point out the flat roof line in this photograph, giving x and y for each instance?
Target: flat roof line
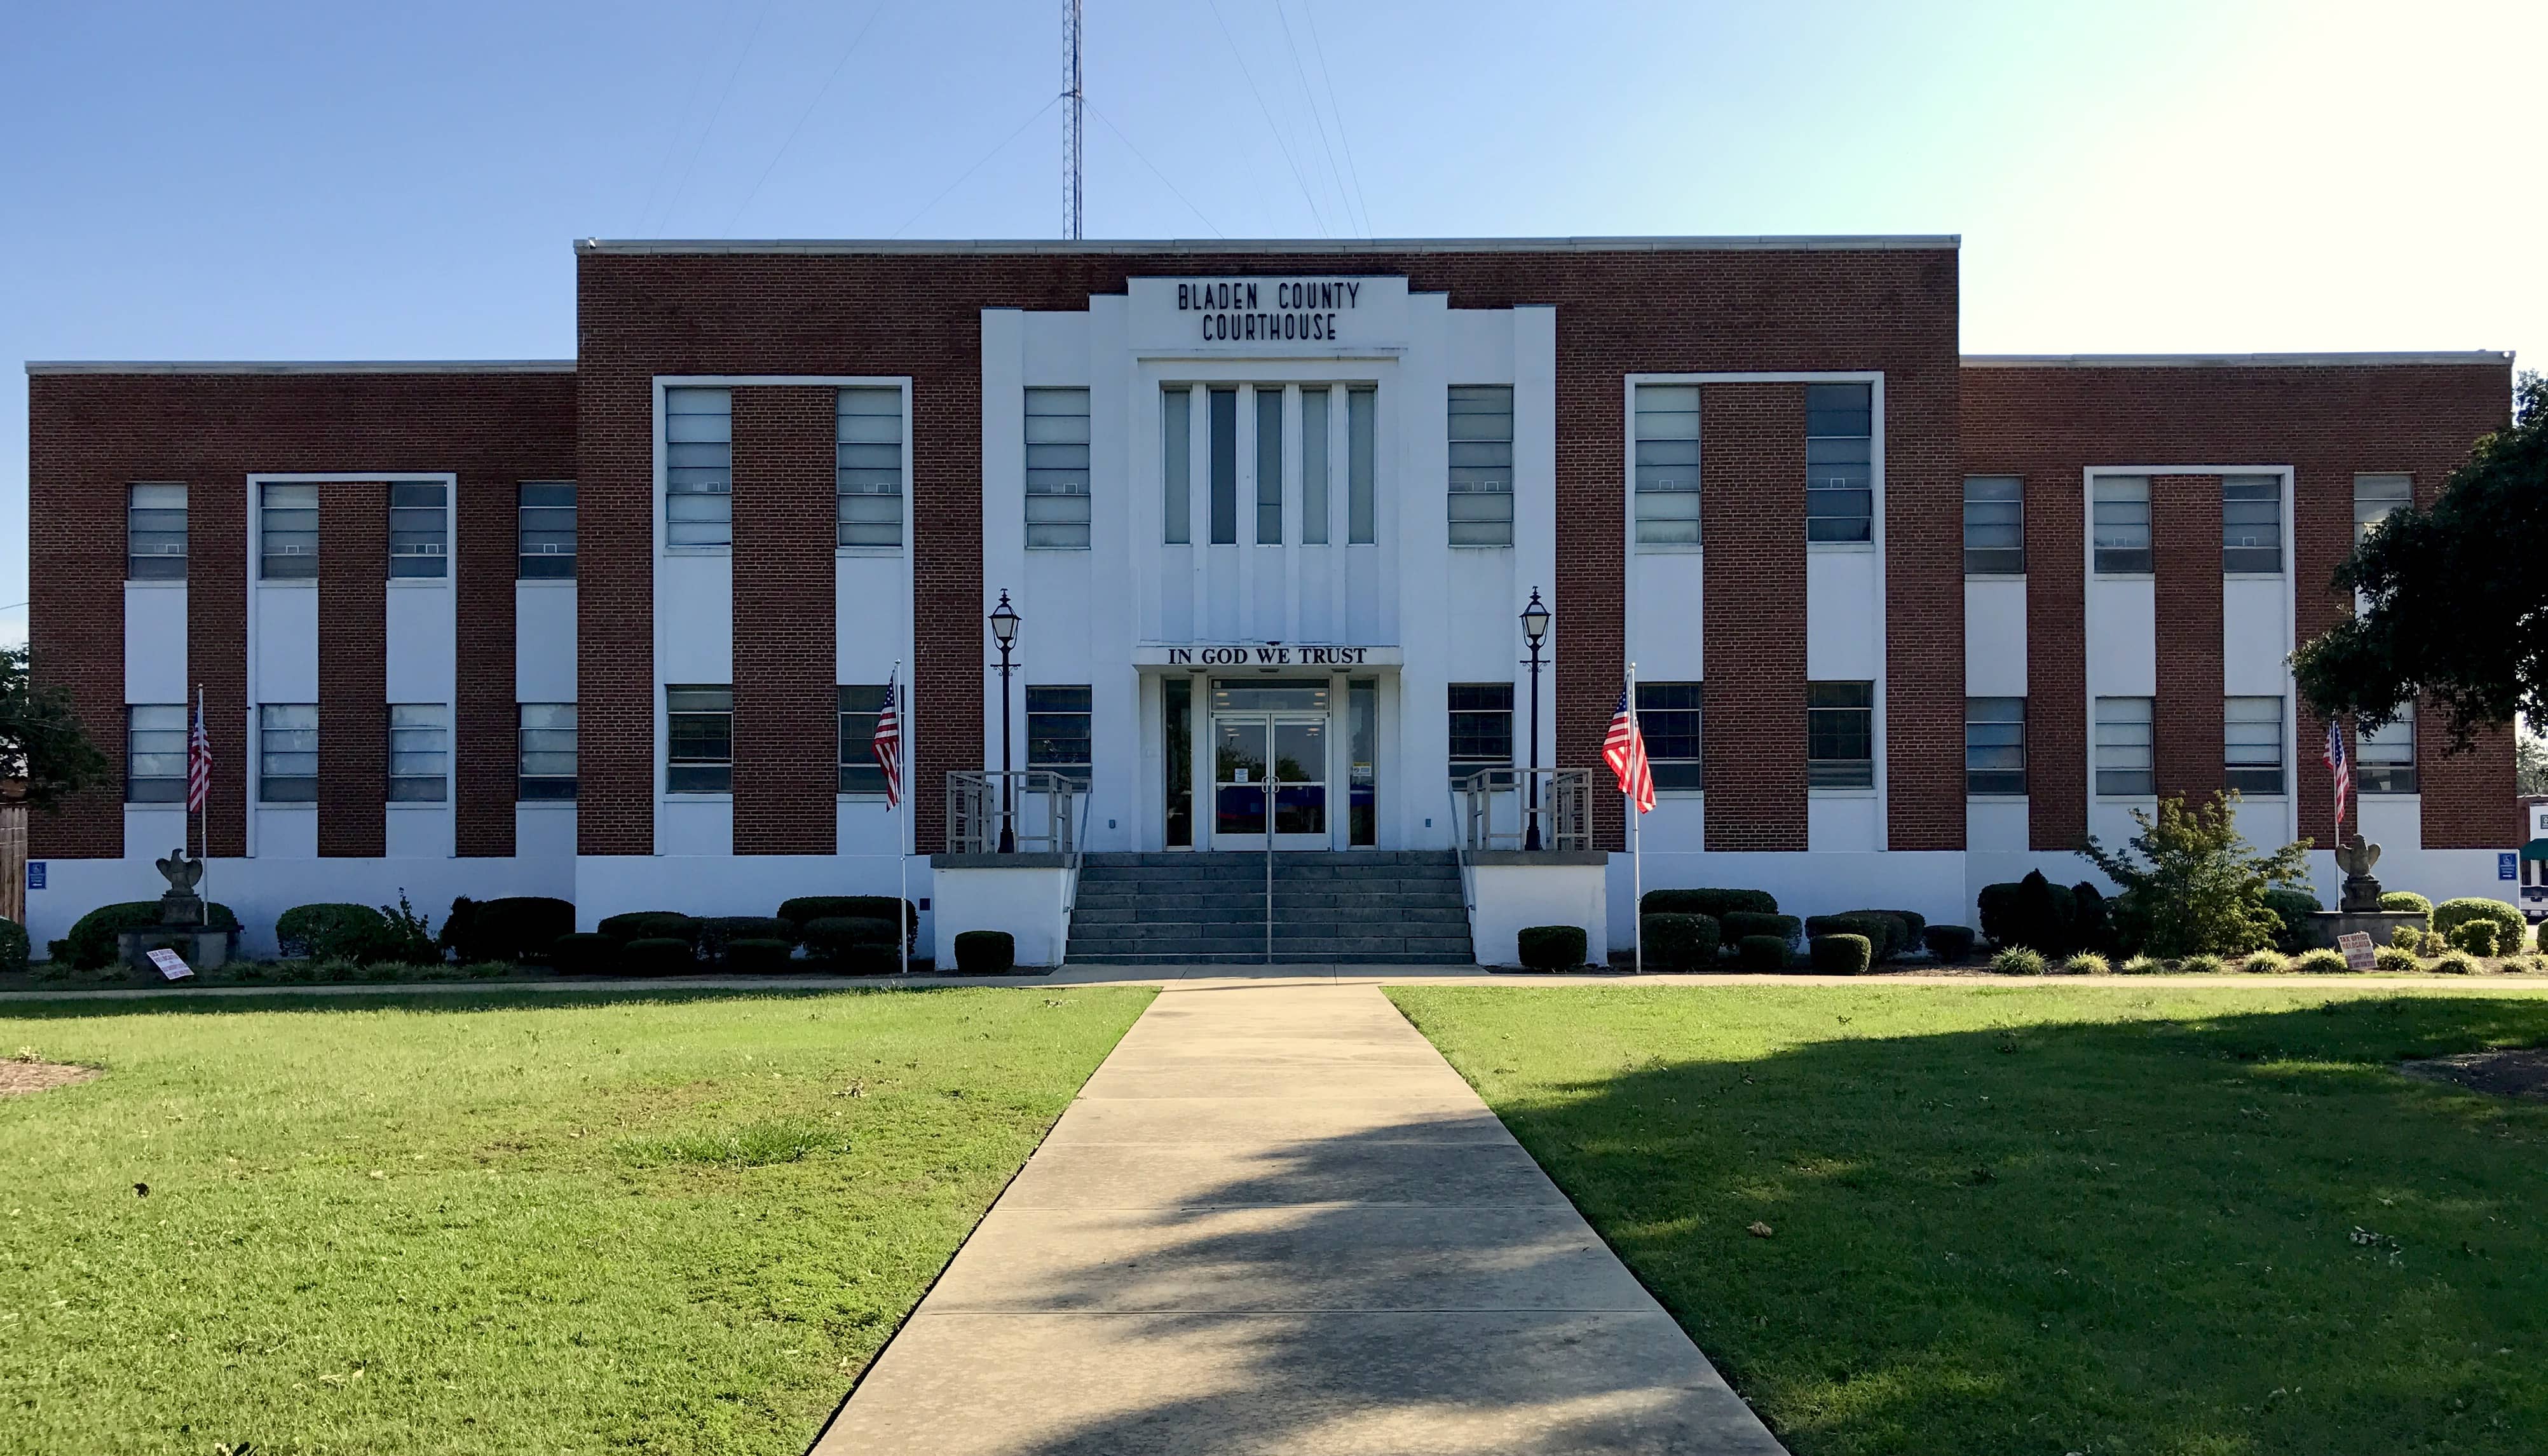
(2196, 361)
(1285, 245)
(301, 366)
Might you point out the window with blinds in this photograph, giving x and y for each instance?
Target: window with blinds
(866, 467)
(698, 467)
(1482, 461)
(1994, 525)
(419, 529)
(2251, 523)
(154, 532)
(287, 753)
(1667, 464)
(1840, 462)
(2119, 524)
(544, 531)
(2385, 757)
(287, 531)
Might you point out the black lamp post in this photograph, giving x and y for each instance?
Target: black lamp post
(1004, 631)
(1534, 630)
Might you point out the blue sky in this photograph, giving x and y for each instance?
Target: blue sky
(253, 181)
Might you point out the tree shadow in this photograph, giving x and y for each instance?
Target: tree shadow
(457, 1000)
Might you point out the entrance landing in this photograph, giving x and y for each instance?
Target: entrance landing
(1276, 1219)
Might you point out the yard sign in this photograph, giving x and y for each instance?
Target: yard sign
(2357, 950)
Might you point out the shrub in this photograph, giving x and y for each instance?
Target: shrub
(2456, 962)
(990, 952)
(2265, 963)
(719, 933)
(328, 931)
(406, 938)
(804, 909)
(584, 953)
(2294, 909)
(2323, 961)
(2191, 882)
(2543, 936)
(2018, 960)
(759, 954)
(1949, 943)
(1718, 903)
(2407, 902)
(513, 928)
(2031, 912)
(2204, 963)
(2091, 922)
(1885, 934)
(837, 936)
(91, 943)
(651, 925)
(2087, 962)
(2451, 914)
(1761, 953)
(2140, 965)
(1738, 925)
(1552, 946)
(13, 947)
(658, 956)
(2476, 936)
(2407, 938)
(1843, 955)
(2395, 959)
(1912, 921)
(1678, 942)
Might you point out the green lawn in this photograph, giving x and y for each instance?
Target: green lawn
(502, 1222)
(2049, 1220)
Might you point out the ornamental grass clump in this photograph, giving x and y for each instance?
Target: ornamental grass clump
(2456, 962)
(2322, 962)
(2396, 961)
(2018, 960)
(2265, 963)
(2140, 965)
(2203, 964)
(2087, 962)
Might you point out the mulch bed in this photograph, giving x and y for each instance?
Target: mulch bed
(22, 1075)
(2523, 1072)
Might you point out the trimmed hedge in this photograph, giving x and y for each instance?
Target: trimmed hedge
(804, 909)
(1551, 946)
(658, 956)
(759, 955)
(838, 937)
(584, 953)
(1717, 902)
(2404, 902)
(1884, 933)
(13, 947)
(91, 944)
(756, 928)
(1760, 952)
(2294, 908)
(514, 928)
(652, 925)
(2478, 936)
(2452, 913)
(1678, 942)
(983, 952)
(2033, 912)
(1843, 955)
(1949, 942)
(1913, 925)
(329, 930)
(1739, 925)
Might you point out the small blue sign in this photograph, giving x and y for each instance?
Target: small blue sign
(35, 874)
(2503, 865)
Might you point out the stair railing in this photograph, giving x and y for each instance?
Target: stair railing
(1070, 881)
(1460, 847)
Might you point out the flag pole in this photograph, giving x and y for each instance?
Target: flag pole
(1636, 849)
(902, 844)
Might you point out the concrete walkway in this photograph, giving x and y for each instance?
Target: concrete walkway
(1276, 1219)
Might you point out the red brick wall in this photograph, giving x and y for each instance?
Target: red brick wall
(353, 669)
(2185, 561)
(1755, 613)
(485, 761)
(786, 723)
(90, 434)
(2049, 423)
(640, 315)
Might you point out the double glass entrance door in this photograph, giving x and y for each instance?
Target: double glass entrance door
(1269, 765)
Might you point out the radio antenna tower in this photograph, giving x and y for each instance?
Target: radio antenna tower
(1072, 93)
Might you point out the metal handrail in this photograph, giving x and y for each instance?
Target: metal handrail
(977, 800)
(1460, 847)
(1565, 808)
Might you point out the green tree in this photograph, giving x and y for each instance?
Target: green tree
(2529, 765)
(2191, 883)
(2454, 595)
(41, 736)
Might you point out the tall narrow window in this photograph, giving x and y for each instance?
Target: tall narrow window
(419, 753)
(1058, 736)
(546, 745)
(154, 753)
(1221, 412)
(1994, 525)
(2386, 754)
(1058, 470)
(420, 528)
(2251, 523)
(1313, 465)
(2252, 739)
(1668, 716)
(699, 738)
(287, 753)
(1840, 462)
(544, 529)
(866, 467)
(1667, 464)
(1362, 748)
(2124, 763)
(1176, 449)
(1482, 460)
(1176, 737)
(1482, 728)
(1994, 744)
(1361, 463)
(2120, 524)
(154, 532)
(1269, 465)
(2375, 496)
(287, 531)
(698, 467)
(860, 705)
(1840, 734)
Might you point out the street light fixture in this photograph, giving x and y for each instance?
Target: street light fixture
(1534, 630)
(1004, 631)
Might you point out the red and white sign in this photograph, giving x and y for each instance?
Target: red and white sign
(2357, 950)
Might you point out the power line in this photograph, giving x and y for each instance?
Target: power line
(1279, 143)
(1309, 18)
(1299, 72)
(1154, 172)
(673, 142)
(837, 68)
(1049, 103)
(718, 111)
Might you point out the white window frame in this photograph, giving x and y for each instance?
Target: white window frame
(2229, 763)
(443, 726)
(185, 533)
(1086, 496)
(2150, 748)
(2364, 763)
(663, 381)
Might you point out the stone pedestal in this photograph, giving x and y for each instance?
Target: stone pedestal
(2325, 926)
(203, 947)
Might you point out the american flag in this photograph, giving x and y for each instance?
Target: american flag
(1624, 750)
(2342, 767)
(199, 763)
(888, 745)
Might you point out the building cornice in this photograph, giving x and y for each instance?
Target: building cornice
(1285, 246)
(2369, 360)
(301, 366)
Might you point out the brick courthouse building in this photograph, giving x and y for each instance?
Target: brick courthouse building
(614, 628)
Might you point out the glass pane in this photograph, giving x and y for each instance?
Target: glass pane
(1279, 695)
(1313, 465)
(1238, 772)
(1176, 735)
(1177, 449)
(1223, 425)
(1359, 407)
(1269, 466)
(1362, 816)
